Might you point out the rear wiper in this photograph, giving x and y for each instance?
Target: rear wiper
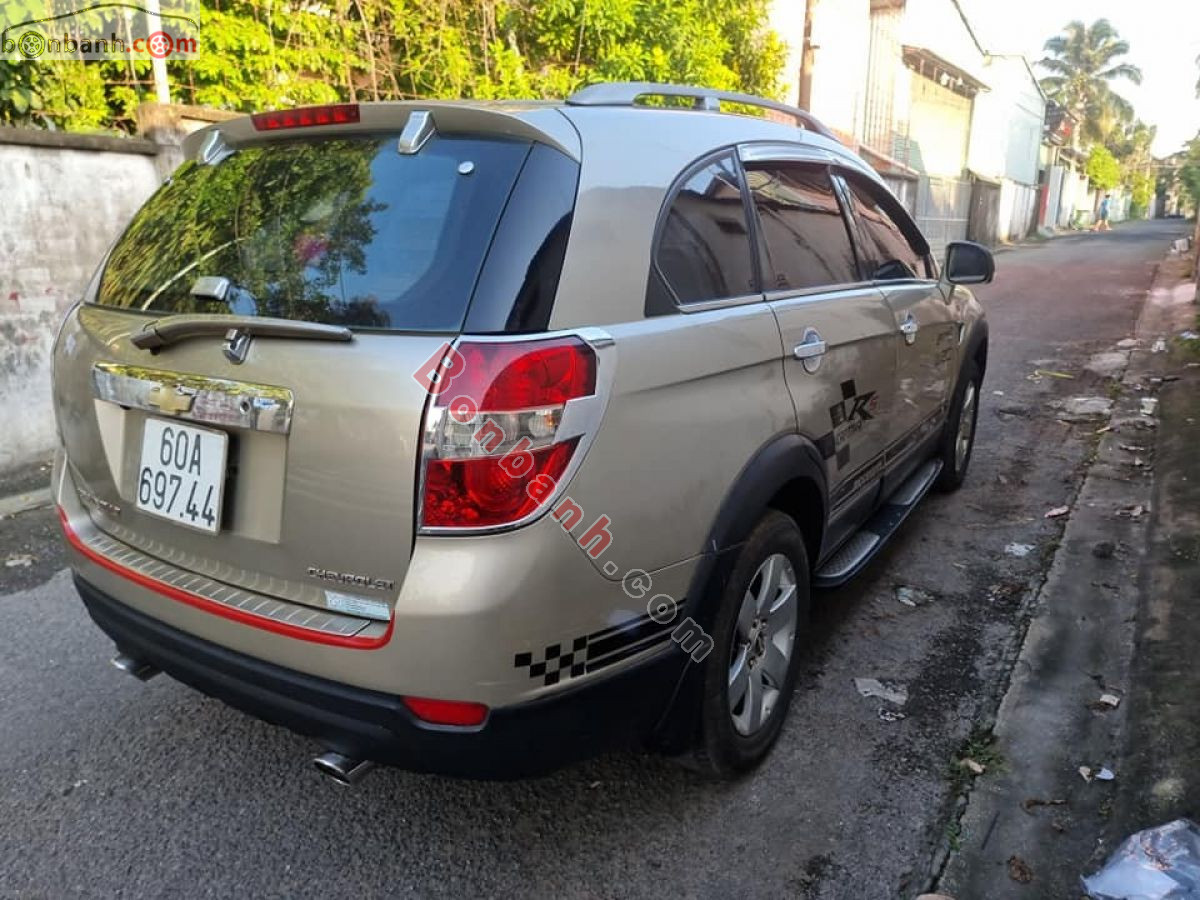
(173, 329)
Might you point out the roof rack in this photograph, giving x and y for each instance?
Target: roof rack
(626, 93)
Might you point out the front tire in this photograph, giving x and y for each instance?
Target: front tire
(750, 675)
(958, 438)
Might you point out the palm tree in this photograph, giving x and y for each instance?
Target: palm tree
(1083, 61)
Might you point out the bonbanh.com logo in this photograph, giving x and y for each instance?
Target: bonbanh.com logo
(97, 31)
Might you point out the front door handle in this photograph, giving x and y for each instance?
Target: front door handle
(810, 349)
(909, 328)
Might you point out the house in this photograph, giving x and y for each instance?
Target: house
(908, 84)
(1005, 149)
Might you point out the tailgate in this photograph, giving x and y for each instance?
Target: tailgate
(321, 440)
(273, 458)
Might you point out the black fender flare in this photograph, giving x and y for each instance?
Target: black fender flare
(976, 337)
(781, 460)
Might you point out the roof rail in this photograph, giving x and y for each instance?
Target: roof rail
(626, 93)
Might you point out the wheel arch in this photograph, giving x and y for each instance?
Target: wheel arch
(786, 474)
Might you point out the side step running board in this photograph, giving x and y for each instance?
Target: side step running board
(857, 551)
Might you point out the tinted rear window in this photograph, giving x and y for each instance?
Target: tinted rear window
(343, 231)
(704, 249)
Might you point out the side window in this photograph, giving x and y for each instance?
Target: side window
(802, 227)
(704, 247)
(887, 253)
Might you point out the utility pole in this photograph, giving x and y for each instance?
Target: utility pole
(807, 58)
(158, 64)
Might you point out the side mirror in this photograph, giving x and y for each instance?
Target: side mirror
(969, 263)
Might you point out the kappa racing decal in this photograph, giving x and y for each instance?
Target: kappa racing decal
(846, 418)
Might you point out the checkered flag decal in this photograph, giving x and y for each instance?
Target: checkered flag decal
(555, 662)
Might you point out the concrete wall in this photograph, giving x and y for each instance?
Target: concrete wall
(66, 197)
(938, 129)
(938, 26)
(841, 34)
(1006, 126)
(1018, 203)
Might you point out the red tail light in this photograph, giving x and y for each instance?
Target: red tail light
(306, 117)
(495, 442)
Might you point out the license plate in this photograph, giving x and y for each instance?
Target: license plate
(182, 474)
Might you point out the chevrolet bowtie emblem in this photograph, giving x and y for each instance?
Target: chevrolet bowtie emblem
(171, 400)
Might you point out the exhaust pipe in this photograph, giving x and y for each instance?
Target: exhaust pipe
(139, 669)
(345, 770)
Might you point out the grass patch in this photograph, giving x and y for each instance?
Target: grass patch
(979, 747)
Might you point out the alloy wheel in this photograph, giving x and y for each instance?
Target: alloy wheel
(966, 428)
(764, 639)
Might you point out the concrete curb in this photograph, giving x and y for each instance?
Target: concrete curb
(23, 502)
(1079, 645)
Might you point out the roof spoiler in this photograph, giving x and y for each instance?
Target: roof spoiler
(627, 93)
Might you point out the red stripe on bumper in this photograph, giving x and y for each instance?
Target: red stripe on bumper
(219, 609)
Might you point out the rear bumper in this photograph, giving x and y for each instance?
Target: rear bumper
(515, 741)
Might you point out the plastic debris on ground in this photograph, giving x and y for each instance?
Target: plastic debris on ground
(1106, 702)
(1018, 550)
(911, 596)
(18, 561)
(1088, 774)
(1056, 512)
(891, 691)
(1149, 406)
(1076, 408)
(1160, 863)
(1039, 374)
(1159, 346)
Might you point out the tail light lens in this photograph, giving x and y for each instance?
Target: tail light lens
(306, 117)
(495, 442)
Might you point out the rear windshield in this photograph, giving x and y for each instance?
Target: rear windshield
(344, 231)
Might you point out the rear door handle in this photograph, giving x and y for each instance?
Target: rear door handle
(909, 328)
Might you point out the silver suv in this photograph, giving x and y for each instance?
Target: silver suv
(473, 437)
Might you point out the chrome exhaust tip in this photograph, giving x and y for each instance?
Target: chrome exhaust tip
(345, 770)
(138, 668)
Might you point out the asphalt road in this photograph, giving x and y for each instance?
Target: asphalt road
(115, 788)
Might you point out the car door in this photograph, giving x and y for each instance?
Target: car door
(836, 328)
(925, 334)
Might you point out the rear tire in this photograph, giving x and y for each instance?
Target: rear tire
(958, 435)
(750, 675)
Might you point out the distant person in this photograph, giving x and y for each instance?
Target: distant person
(1102, 216)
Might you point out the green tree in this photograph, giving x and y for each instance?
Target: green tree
(1189, 171)
(1102, 169)
(1084, 61)
(260, 54)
